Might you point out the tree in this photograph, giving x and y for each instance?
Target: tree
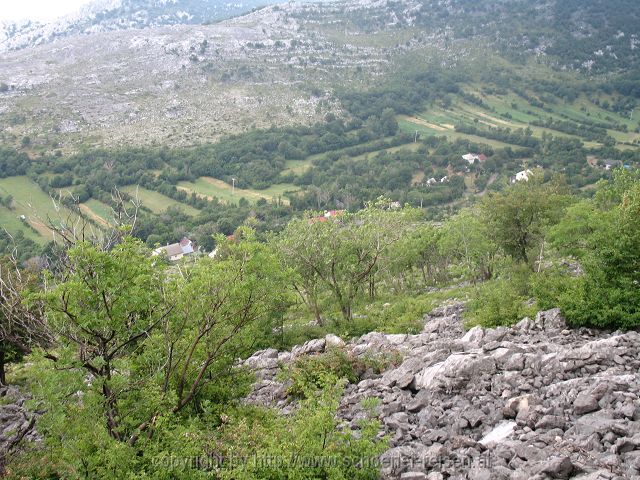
(22, 325)
(150, 340)
(342, 253)
(105, 305)
(418, 249)
(388, 122)
(222, 307)
(572, 235)
(607, 294)
(518, 218)
(465, 238)
(292, 247)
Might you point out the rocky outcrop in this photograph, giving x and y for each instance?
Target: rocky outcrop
(16, 422)
(537, 400)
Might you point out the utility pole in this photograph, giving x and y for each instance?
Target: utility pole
(233, 186)
(415, 139)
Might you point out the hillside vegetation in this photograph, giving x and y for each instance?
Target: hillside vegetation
(366, 100)
(328, 174)
(161, 345)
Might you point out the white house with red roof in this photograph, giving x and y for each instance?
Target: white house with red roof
(472, 158)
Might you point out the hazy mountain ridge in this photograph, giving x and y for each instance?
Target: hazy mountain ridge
(113, 15)
(595, 36)
(182, 81)
(141, 86)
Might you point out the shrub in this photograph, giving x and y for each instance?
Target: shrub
(550, 287)
(403, 315)
(313, 372)
(606, 296)
(309, 444)
(501, 301)
(310, 373)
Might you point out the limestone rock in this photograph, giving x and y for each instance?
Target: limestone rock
(535, 401)
(585, 403)
(557, 467)
(455, 371)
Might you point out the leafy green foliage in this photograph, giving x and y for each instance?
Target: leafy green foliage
(12, 162)
(342, 252)
(309, 445)
(466, 237)
(311, 373)
(501, 301)
(145, 353)
(518, 218)
(607, 295)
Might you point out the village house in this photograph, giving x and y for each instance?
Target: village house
(522, 176)
(327, 215)
(176, 251)
(472, 158)
(611, 164)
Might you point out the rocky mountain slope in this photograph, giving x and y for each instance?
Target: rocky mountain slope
(176, 84)
(140, 72)
(534, 401)
(112, 15)
(17, 423)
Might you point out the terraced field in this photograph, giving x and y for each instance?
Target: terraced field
(418, 124)
(512, 111)
(12, 223)
(212, 187)
(98, 211)
(37, 208)
(156, 202)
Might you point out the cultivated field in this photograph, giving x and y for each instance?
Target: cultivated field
(38, 209)
(510, 110)
(98, 211)
(212, 187)
(156, 202)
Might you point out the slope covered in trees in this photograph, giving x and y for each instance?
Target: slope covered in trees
(160, 344)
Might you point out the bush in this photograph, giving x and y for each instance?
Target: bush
(314, 372)
(501, 301)
(311, 373)
(402, 315)
(309, 444)
(550, 287)
(606, 296)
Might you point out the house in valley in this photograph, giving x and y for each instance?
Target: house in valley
(522, 176)
(176, 251)
(472, 158)
(612, 164)
(327, 215)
